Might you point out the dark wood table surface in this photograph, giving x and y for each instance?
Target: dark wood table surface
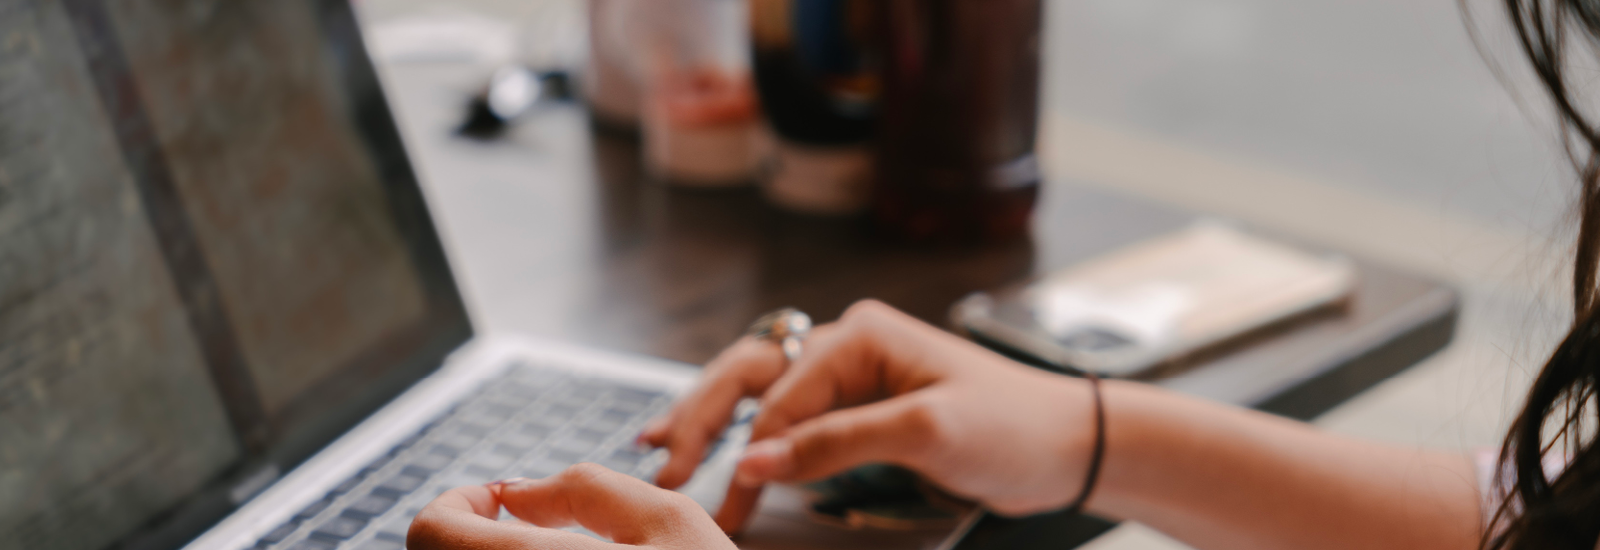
(555, 230)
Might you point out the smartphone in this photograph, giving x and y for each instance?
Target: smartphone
(1153, 304)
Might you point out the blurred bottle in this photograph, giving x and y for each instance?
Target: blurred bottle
(958, 118)
(816, 73)
(698, 110)
(926, 109)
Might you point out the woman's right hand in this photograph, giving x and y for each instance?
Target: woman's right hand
(879, 386)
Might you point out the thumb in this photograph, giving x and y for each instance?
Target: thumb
(899, 430)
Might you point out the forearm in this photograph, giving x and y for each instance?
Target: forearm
(1218, 477)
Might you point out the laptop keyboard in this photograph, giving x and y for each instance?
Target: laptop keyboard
(530, 422)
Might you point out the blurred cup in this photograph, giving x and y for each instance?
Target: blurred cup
(923, 111)
(958, 117)
(817, 77)
(700, 119)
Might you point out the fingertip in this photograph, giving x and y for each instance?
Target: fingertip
(675, 473)
(736, 509)
(478, 499)
(763, 461)
(654, 433)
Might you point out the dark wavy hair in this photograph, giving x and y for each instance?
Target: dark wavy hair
(1561, 416)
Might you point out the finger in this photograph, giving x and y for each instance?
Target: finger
(873, 352)
(616, 506)
(895, 431)
(745, 369)
(737, 507)
(655, 431)
(848, 361)
(463, 518)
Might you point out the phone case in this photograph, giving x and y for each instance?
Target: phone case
(1154, 303)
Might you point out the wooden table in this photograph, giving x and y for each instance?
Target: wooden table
(555, 231)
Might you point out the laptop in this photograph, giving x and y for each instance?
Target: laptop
(226, 319)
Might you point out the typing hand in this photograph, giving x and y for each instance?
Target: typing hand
(618, 507)
(880, 386)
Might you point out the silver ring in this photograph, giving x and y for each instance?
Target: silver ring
(786, 327)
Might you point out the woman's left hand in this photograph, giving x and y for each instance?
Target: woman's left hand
(618, 507)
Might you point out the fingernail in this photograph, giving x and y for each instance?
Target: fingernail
(763, 461)
(496, 485)
(648, 432)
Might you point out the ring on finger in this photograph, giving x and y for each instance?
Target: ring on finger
(786, 327)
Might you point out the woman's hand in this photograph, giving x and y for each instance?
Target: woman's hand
(880, 386)
(614, 505)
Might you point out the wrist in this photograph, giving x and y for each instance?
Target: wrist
(1144, 446)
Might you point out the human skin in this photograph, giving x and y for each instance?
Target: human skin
(878, 386)
(630, 512)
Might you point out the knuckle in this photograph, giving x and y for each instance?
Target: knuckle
(677, 509)
(767, 422)
(926, 423)
(584, 473)
(867, 308)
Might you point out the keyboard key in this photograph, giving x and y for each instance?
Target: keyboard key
(578, 403)
(585, 392)
(349, 484)
(429, 463)
(609, 420)
(376, 464)
(514, 400)
(444, 450)
(475, 431)
(313, 544)
(520, 440)
(591, 436)
(458, 438)
(381, 544)
(635, 395)
(488, 409)
(339, 528)
(492, 461)
(509, 450)
(565, 456)
(623, 460)
(560, 411)
(534, 429)
(488, 474)
(369, 506)
(544, 467)
(399, 484)
(465, 478)
(312, 510)
(433, 491)
(281, 532)
(395, 529)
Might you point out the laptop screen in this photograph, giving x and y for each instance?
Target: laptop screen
(214, 259)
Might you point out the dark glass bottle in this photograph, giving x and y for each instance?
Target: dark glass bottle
(957, 118)
(941, 94)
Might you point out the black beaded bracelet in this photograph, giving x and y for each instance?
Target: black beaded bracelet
(1099, 446)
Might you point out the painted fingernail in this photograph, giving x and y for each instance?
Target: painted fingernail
(497, 484)
(763, 461)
